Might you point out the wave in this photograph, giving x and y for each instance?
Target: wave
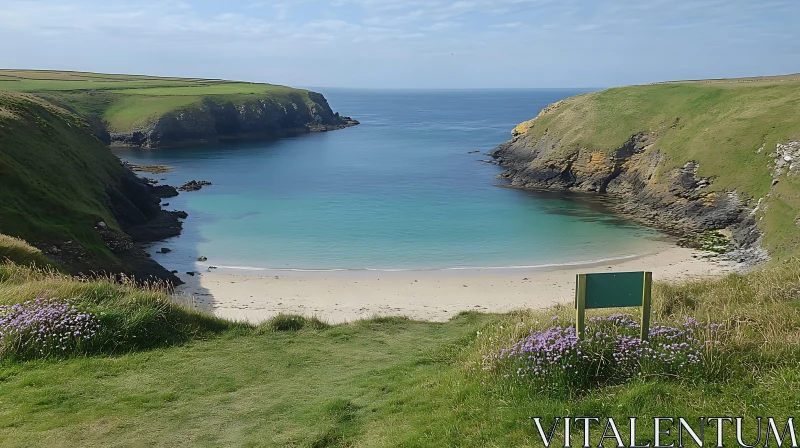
(458, 268)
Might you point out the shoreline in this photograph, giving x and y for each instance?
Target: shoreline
(458, 270)
(430, 295)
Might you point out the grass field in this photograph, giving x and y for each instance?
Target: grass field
(126, 102)
(378, 382)
(730, 127)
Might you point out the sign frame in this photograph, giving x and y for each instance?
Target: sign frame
(584, 285)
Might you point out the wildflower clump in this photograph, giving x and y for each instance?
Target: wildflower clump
(611, 352)
(44, 327)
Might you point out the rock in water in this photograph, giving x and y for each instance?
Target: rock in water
(194, 185)
(165, 250)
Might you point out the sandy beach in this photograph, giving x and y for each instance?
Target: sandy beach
(341, 296)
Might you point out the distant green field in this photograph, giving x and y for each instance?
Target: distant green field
(126, 102)
(36, 80)
(131, 112)
(213, 89)
(21, 252)
(721, 124)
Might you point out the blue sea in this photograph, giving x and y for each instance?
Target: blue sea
(400, 191)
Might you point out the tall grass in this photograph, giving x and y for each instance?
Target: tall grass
(21, 252)
(759, 313)
(290, 322)
(131, 316)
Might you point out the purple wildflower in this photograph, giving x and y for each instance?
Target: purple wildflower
(612, 351)
(43, 327)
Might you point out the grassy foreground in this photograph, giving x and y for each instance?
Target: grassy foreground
(379, 382)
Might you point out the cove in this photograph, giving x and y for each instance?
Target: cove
(403, 190)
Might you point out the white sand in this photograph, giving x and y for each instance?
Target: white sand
(426, 295)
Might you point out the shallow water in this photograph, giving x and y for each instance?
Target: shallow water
(399, 191)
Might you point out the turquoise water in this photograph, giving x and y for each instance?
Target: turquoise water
(400, 191)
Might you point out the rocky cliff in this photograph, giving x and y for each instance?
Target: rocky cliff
(651, 154)
(212, 120)
(678, 202)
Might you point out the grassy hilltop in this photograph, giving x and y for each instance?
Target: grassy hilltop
(126, 102)
(720, 124)
(730, 129)
(177, 110)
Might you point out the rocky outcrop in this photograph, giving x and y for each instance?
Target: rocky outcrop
(213, 121)
(676, 201)
(136, 206)
(194, 185)
(318, 126)
(136, 209)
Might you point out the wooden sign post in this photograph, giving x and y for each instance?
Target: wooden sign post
(613, 290)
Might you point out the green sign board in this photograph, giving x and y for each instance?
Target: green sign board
(613, 290)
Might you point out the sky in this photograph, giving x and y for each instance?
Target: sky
(408, 43)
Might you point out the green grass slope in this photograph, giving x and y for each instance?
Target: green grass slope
(57, 182)
(730, 127)
(125, 102)
(53, 175)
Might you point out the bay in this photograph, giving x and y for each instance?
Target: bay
(403, 190)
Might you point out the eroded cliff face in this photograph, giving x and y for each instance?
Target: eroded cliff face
(213, 121)
(141, 220)
(676, 201)
(136, 206)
